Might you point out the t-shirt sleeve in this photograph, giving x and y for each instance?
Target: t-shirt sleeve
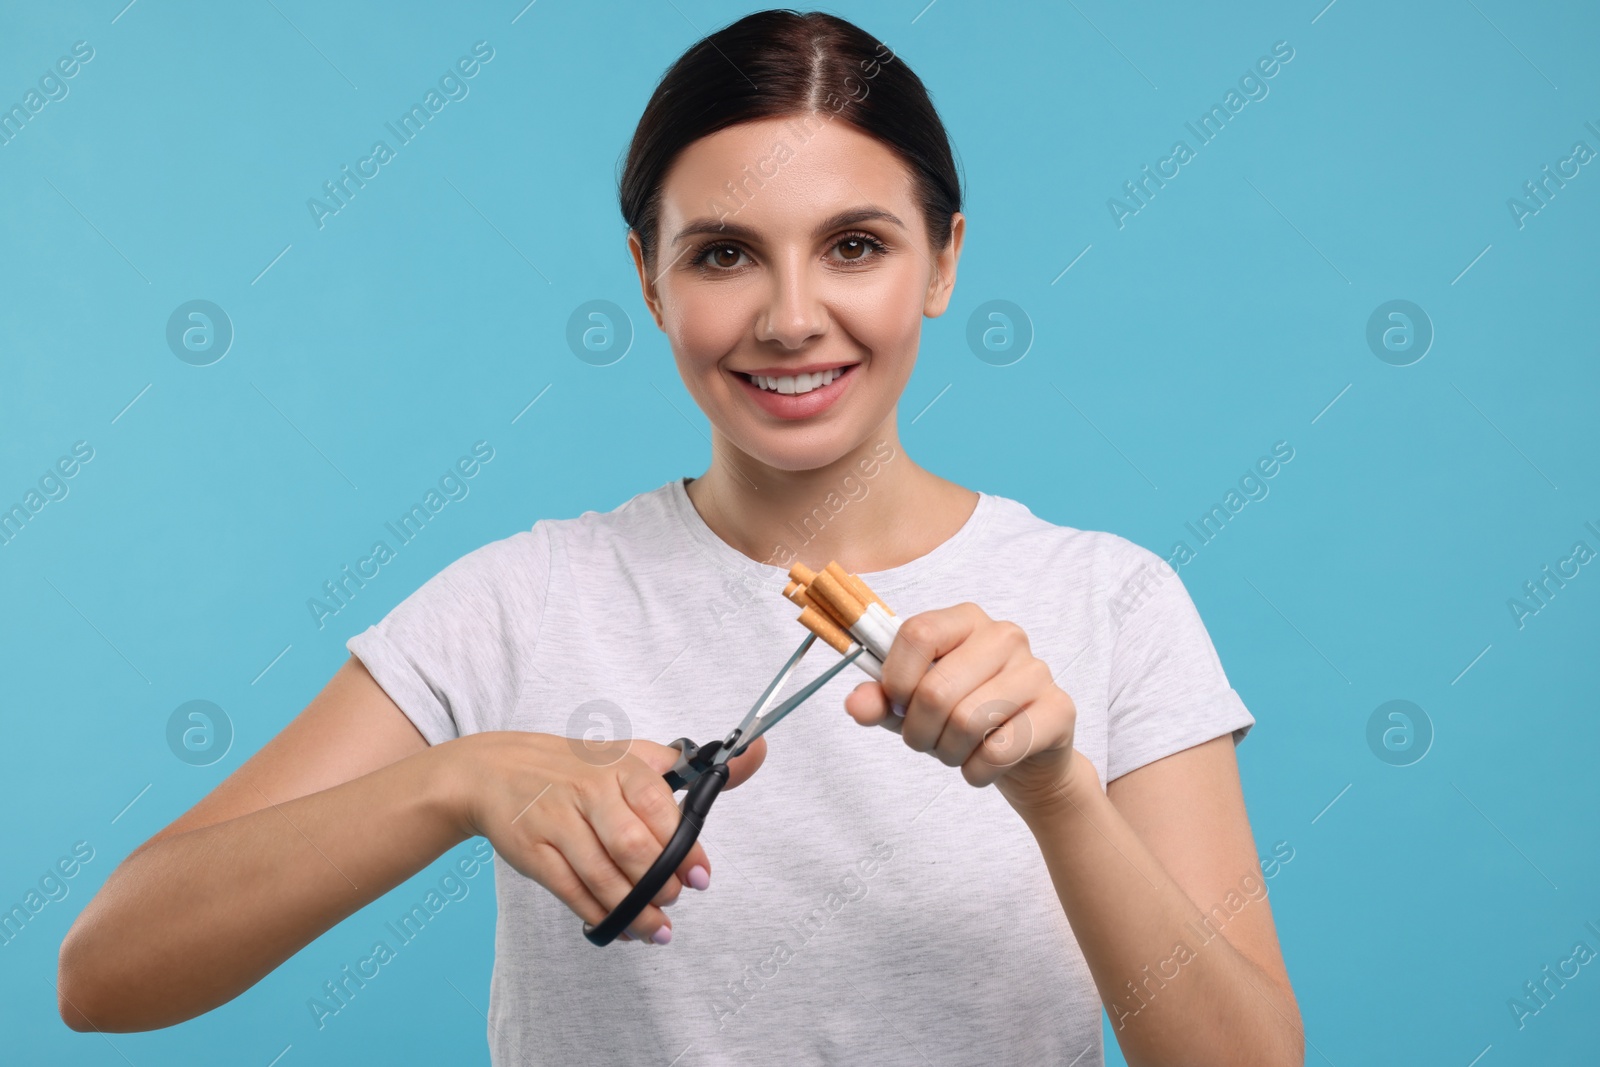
(451, 654)
(1167, 688)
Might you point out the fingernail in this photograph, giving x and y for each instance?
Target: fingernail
(898, 709)
(699, 877)
(662, 936)
(624, 936)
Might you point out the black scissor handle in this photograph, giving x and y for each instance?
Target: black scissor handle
(696, 804)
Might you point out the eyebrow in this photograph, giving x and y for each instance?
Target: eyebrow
(853, 217)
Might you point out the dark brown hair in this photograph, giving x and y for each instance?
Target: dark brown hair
(780, 63)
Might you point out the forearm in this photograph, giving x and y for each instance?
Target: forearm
(195, 919)
(1175, 989)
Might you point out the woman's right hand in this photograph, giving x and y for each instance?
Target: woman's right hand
(583, 819)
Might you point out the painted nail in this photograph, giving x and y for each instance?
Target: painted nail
(898, 709)
(624, 936)
(662, 936)
(699, 877)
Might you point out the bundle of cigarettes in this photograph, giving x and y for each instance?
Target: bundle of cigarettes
(839, 608)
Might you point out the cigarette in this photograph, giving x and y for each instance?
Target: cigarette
(851, 584)
(869, 663)
(876, 629)
(841, 576)
(865, 617)
(866, 595)
(841, 609)
(826, 628)
(840, 602)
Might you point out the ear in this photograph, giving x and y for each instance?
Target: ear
(647, 286)
(943, 282)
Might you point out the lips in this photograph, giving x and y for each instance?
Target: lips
(798, 394)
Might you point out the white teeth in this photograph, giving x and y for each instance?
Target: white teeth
(795, 384)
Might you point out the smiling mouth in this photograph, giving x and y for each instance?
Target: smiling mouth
(796, 384)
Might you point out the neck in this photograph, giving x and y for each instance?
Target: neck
(871, 509)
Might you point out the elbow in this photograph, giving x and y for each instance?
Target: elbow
(108, 977)
(75, 1019)
(86, 994)
(102, 988)
(1296, 1055)
(73, 995)
(1290, 1050)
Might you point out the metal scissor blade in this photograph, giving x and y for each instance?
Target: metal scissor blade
(766, 722)
(777, 683)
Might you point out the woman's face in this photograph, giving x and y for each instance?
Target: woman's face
(791, 275)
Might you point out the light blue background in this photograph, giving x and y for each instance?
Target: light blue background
(1225, 316)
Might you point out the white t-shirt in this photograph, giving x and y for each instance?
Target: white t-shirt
(866, 905)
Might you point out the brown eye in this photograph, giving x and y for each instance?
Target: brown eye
(725, 256)
(859, 247)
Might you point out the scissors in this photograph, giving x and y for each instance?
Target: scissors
(702, 770)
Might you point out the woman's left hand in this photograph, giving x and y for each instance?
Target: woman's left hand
(988, 706)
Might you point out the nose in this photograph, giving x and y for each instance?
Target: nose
(793, 313)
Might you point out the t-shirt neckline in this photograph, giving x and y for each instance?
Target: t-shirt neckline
(941, 557)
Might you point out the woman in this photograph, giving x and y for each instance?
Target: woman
(794, 213)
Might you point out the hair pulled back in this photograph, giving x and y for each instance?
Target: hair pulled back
(781, 63)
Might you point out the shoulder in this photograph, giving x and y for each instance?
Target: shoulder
(1094, 576)
(642, 517)
(497, 565)
(496, 588)
(527, 553)
(1098, 558)
(517, 567)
